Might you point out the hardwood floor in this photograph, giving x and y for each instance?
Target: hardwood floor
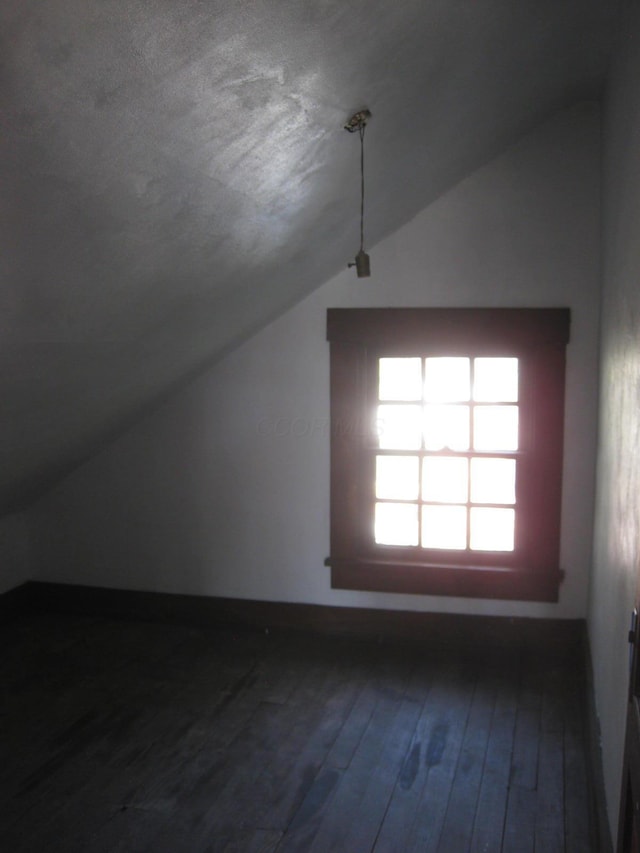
(125, 736)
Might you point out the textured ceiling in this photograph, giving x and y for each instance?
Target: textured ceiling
(175, 174)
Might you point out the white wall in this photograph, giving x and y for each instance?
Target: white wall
(14, 551)
(225, 490)
(617, 537)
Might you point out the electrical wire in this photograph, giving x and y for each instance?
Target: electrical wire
(361, 130)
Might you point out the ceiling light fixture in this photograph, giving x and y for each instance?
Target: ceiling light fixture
(358, 122)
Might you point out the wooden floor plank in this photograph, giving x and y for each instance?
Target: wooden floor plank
(429, 736)
(450, 702)
(354, 782)
(394, 765)
(549, 823)
(352, 731)
(253, 841)
(524, 765)
(457, 830)
(494, 791)
(318, 711)
(519, 831)
(577, 818)
(304, 825)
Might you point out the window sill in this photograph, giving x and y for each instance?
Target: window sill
(457, 581)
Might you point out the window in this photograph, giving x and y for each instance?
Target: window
(446, 450)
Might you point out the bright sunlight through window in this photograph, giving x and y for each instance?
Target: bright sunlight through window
(447, 436)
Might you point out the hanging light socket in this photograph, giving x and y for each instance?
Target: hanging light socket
(358, 122)
(362, 264)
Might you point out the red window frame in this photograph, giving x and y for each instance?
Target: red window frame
(358, 338)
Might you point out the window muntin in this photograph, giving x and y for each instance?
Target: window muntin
(459, 501)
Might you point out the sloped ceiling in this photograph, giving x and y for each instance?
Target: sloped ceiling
(175, 174)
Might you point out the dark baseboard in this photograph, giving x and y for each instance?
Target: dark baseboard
(15, 603)
(600, 820)
(436, 628)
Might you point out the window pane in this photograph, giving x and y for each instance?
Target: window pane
(446, 427)
(492, 529)
(495, 380)
(495, 428)
(399, 427)
(400, 379)
(444, 527)
(446, 380)
(397, 477)
(445, 479)
(493, 481)
(396, 524)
